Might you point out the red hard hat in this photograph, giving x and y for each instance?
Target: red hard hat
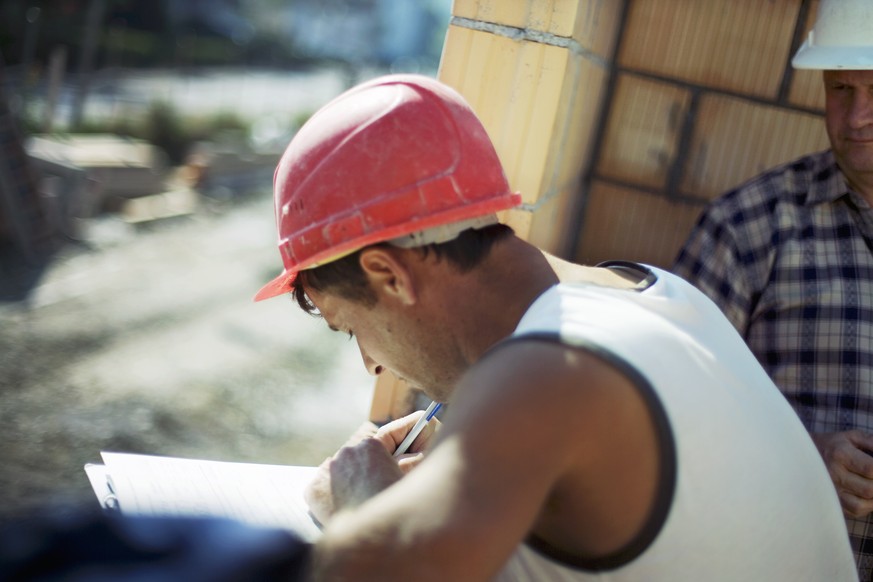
(390, 157)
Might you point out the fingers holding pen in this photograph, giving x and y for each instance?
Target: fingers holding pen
(393, 434)
(364, 465)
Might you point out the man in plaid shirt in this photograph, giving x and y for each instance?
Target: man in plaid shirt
(788, 256)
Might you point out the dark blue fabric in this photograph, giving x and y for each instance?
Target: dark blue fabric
(103, 547)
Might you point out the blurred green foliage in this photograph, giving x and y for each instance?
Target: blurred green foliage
(164, 127)
(132, 33)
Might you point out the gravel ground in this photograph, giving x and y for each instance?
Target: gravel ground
(145, 339)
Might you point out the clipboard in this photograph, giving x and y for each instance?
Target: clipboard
(258, 494)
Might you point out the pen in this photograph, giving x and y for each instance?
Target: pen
(417, 428)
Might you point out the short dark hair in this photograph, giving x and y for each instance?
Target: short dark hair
(345, 277)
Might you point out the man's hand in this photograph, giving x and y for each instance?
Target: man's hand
(851, 468)
(393, 433)
(317, 493)
(325, 496)
(354, 474)
(359, 472)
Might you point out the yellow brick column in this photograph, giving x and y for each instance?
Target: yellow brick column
(534, 71)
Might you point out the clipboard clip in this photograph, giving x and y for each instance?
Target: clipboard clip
(110, 500)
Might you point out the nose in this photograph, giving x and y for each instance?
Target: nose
(373, 367)
(861, 112)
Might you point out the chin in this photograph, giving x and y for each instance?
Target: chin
(858, 159)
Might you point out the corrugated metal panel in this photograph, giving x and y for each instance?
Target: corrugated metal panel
(735, 45)
(807, 90)
(642, 134)
(630, 225)
(735, 139)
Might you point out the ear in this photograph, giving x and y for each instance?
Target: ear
(389, 274)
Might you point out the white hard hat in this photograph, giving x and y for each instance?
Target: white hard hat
(842, 37)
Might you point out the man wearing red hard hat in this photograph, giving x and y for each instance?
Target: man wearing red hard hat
(602, 420)
(788, 256)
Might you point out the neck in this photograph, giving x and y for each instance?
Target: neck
(488, 302)
(860, 182)
(863, 188)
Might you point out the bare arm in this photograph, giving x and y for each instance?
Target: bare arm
(521, 418)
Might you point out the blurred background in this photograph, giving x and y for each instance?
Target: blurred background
(137, 145)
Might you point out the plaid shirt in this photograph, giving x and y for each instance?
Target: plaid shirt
(788, 257)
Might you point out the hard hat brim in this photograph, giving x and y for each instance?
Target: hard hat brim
(833, 58)
(282, 284)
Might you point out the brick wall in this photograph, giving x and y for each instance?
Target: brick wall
(701, 97)
(619, 119)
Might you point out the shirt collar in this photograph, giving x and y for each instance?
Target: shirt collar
(828, 183)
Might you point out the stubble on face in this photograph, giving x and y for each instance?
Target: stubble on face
(411, 349)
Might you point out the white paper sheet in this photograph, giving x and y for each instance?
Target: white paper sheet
(265, 495)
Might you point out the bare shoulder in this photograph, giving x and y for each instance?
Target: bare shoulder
(568, 272)
(570, 430)
(561, 397)
(537, 370)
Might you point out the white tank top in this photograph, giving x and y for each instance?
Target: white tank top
(744, 495)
